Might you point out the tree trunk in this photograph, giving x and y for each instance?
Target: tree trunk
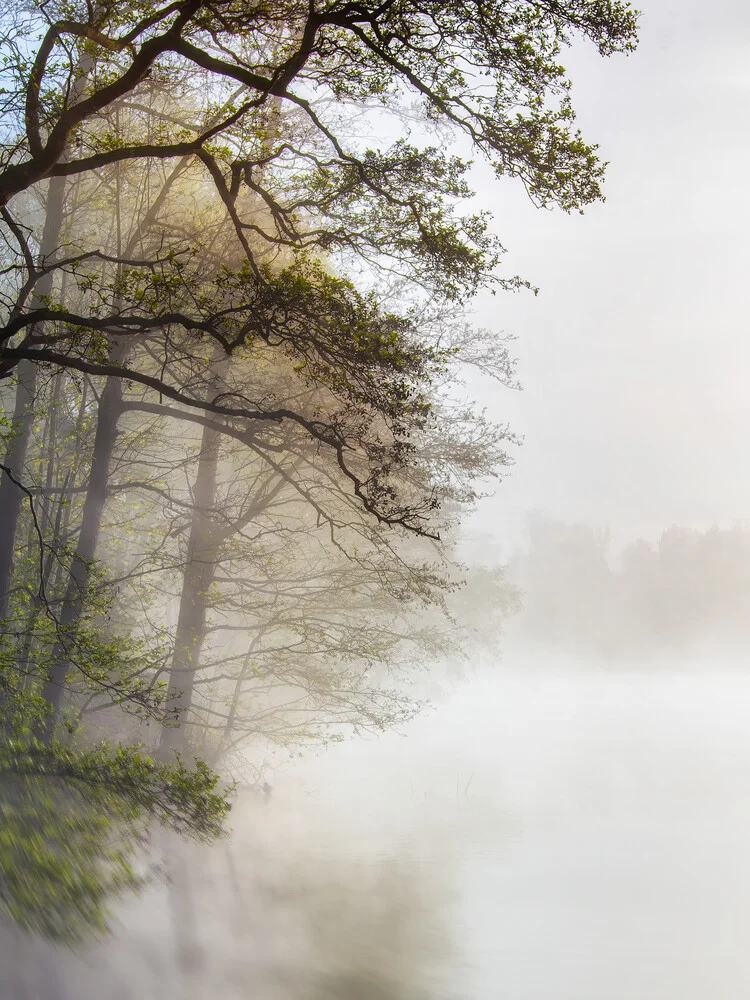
(11, 496)
(108, 415)
(23, 417)
(88, 538)
(194, 600)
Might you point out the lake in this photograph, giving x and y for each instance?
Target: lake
(548, 832)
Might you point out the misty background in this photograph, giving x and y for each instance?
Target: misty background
(566, 822)
(634, 355)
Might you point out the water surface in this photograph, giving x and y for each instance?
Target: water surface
(547, 833)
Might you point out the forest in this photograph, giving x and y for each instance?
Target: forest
(237, 430)
(690, 589)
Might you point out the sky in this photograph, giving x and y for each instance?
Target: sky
(634, 356)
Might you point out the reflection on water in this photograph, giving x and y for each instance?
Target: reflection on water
(543, 835)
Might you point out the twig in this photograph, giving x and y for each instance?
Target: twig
(42, 544)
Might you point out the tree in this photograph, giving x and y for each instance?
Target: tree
(322, 194)
(691, 586)
(182, 183)
(117, 70)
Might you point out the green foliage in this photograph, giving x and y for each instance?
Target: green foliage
(74, 821)
(75, 815)
(63, 861)
(222, 208)
(125, 778)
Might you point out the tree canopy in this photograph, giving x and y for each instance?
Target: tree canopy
(232, 320)
(273, 92)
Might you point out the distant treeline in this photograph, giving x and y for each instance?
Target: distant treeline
(688, 586)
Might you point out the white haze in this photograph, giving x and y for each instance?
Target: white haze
(634, 354)
(548, 833)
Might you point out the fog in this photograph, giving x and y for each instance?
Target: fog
(634, 407)
(567, 815)
(547, 832)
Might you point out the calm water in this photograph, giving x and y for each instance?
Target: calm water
(548, 834)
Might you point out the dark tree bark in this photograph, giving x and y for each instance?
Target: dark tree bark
(108, 414)
(194, 600)
(91, 519)
(11, 497)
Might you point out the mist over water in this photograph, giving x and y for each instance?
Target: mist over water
(549, 831)
(569, 822)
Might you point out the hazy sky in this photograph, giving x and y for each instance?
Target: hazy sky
(635, 357)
